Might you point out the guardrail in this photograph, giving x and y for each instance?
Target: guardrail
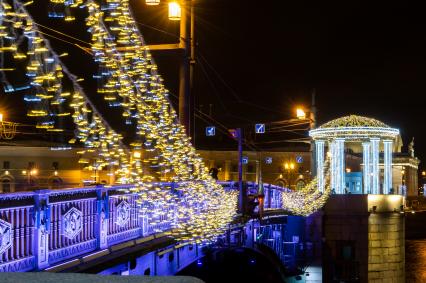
(42, 228)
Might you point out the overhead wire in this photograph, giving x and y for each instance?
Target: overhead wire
(232, 91)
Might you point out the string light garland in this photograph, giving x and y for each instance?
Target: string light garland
(308, 199)
(355, 128)
(198, 208)
(204, 208)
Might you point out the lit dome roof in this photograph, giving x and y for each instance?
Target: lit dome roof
(354, 121)
(355, 128)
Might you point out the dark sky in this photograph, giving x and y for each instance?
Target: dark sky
(362, 58)
(257, 60)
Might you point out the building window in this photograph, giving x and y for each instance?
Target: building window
(6, 164)
(55, 183)
(300, 184)
(5, 185)
(281, 183)
(55, 165)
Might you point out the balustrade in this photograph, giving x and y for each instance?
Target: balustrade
(45, 227)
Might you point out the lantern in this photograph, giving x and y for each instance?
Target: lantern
(174, 11)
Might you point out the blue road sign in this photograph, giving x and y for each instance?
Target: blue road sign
(260, 128)
(245, 159)
(210, 131)
(299, 159)
(268, 160)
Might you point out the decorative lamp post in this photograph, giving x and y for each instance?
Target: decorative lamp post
(289, 167)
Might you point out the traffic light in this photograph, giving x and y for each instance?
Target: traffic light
(252, 203)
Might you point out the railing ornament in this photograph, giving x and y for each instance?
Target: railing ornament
(5, 236)
(72, 222)
(123, 213)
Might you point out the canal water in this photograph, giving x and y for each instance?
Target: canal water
(415, 261)
(246, 266)
(235, 265)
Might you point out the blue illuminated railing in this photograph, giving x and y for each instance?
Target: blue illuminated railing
(45, 227)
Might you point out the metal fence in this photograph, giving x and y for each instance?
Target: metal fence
(45, 227)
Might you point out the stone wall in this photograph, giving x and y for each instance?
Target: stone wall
(364, 238)
(386, 247)
(345, 228)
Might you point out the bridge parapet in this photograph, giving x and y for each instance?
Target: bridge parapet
(41, 228)
(46, 227)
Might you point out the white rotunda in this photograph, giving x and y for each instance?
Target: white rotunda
(372, 135)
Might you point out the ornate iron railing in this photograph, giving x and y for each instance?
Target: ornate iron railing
(45, 227)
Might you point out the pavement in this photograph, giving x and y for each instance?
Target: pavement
(45, 277)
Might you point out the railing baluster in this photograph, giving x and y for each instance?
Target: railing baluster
(22, 233)
(18, 233)
(12, 221)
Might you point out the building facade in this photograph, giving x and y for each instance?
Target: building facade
(26, 168)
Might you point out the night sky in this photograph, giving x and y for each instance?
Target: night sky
(362, 58)
(257, 60)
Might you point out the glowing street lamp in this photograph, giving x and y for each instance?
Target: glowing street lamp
(1, 117)
(175, 11)
(300, 114)
(289, 166)
(152, 2)
(137, 154)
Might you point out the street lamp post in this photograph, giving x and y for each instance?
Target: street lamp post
(183, 11)
(301, 115)
(289, 168)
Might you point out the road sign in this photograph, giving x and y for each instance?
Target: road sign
(260, 128)
(210, 131)
(268, 160)
(299, 159)
(233, 133)
(245, 159)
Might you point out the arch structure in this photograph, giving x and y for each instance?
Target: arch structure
(372, 135)
(7, 184)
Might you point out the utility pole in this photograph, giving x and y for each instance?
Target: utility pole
(186, 70)
(312, 125)
(243, 193)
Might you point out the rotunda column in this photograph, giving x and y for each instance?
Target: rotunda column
(367, 166)
(333, 177)
(340, 166)
(319, 149)
(375, 188)
(387, 182)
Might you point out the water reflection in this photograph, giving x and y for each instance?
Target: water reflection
(234, 265)
(415, 261)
